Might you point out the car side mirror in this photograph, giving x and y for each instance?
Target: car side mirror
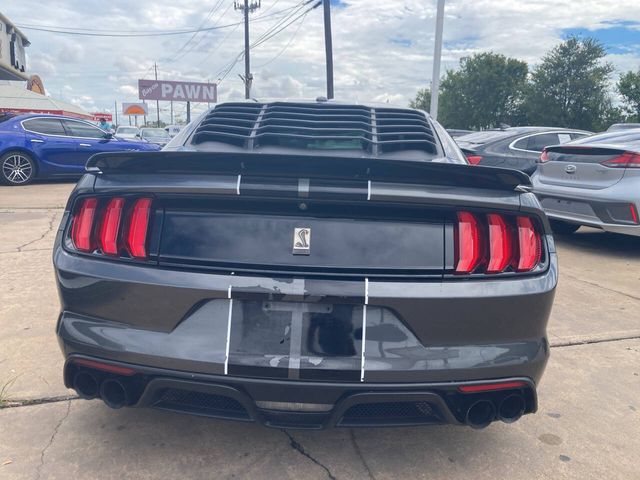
(108, 135)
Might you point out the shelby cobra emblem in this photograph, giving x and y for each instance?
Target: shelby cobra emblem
(301, 241)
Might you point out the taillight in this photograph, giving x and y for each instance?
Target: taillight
(100, 225)
(110, 227)
(500, 244)
(496, 243)
(468, 246)
(544, 157)
(137, 234)
(626, 160)
(474, 159)
(529, 244)
(82, 228)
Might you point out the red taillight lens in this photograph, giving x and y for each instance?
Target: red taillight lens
(474, 159)
(544, 157)
(468, 247)
(111, 226)
(82, 228)
(138, 226)
(490, 387)
(626, 160)
(500, 244)
(529, 243)
(495, 243)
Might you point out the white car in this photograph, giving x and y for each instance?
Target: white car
(128, 133)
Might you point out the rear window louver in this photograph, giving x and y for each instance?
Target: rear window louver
(317, 127)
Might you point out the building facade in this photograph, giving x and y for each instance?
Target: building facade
(13, 62)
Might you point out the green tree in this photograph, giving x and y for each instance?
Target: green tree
(570, 87)
(629, 89)
(422, 100)
(484, 92)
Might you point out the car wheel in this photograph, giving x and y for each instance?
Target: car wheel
(563, 228)
(17, 168)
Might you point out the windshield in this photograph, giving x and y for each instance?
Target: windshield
(154, 133)
(127, 130)
(480, 138)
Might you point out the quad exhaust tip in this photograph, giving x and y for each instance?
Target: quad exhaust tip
(511, 408)
(114, 394)
(86, 385)
(480, 414)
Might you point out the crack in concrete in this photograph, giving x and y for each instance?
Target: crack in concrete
(50, 228)
(299, 448)
(26, 251)
(29, 402)
(53, 436)
(595, 284)
(356, 447)
(590, 341)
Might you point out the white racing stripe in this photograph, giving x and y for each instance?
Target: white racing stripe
(238, 185)
(368, 189)
(364, 326)
(226, 356)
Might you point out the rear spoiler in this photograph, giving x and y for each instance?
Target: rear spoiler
(303, 166)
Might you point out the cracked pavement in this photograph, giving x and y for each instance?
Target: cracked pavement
(586, 427)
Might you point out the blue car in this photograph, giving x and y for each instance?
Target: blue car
(45, 146)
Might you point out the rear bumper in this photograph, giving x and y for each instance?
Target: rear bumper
(606, 209)
(312, 405)
(414, 331)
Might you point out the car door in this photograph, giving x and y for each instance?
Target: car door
(47, 139)
(89, 140)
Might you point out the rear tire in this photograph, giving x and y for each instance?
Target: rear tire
(17, 168)
(563, 228)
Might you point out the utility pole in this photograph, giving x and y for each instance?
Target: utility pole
(328, 47)
(188, 112)
(437, 57)
(155, 67)
(115, 109)
(246, 9)
(171, 112)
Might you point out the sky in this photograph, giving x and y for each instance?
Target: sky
(383, 50)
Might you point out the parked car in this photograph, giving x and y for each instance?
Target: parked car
(622, 126)
(513, 147)
(456, 132)
(173, 130)
(594, 181)
(159, 136)
(42, 146)
(307, 264)
(128, 133)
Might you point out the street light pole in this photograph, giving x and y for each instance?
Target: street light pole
(437, 56)
(155, 67)
(328, 47)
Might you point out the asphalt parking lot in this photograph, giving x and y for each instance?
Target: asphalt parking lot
(587, 425)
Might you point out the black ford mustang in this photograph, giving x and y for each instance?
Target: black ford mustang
(306, 265)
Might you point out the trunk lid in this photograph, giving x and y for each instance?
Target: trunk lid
(302, 215)
(580, 167)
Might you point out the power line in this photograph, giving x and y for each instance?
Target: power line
(215, 7)
(288, 43)
(270, 33)
(94, 32)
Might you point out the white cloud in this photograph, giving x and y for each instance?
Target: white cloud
(369, 64)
